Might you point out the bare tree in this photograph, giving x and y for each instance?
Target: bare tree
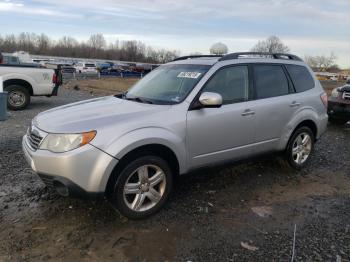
(271, 45)
(43, 44)
(322, 62)
(97, 41)
(95, 47)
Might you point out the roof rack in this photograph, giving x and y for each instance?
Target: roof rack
(262, 54)
(194, 56)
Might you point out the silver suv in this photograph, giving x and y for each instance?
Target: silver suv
(193, 112)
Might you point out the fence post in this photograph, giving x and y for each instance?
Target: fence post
(3, 101)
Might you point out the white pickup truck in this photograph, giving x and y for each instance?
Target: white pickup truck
(23, 81)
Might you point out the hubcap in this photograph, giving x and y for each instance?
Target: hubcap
(301, 148)
(144, 188)
(16, 98)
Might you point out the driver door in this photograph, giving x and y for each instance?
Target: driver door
(226, 133)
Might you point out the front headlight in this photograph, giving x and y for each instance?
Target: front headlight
(335, 92)
(59, 143)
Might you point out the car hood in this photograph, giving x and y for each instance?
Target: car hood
(93, 114)
(345, 88)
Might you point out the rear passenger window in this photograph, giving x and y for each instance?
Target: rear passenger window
(301, 78)
(270, 81)
(232, 83)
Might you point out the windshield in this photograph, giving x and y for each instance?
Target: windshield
(168, 84)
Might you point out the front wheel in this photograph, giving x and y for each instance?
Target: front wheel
(142, 187)
(300, 147)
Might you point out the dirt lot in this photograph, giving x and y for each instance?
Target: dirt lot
(103, 86)
(213, 215)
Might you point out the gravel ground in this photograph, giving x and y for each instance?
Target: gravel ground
(249, 212)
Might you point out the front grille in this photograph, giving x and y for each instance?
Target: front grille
(34, 140)
(48, 180)
(346, 95)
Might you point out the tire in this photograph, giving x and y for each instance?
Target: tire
(138, 203)
(18, 97)
(336, 121)
(296, 148)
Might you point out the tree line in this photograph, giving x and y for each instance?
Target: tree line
(96, 47)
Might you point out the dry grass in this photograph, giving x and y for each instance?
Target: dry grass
(103, 86)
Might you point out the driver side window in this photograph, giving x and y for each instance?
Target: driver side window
(232, 83)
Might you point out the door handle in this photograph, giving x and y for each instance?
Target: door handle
(295, 104)
(248, 112)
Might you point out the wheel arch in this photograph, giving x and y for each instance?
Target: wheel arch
(308, 123)
(19, 82)
(149, 149)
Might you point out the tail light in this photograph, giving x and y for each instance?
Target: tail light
(324, 99)
(54, 78)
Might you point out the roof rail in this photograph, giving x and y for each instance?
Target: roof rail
(194, 56)
(262, 54)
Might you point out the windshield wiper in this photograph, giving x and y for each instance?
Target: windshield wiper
(139, 99)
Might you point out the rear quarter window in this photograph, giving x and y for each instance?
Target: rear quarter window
(301, 78)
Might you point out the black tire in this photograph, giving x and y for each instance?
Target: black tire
(116, 197)
(337, 121)
(22, 97)
(290, 157)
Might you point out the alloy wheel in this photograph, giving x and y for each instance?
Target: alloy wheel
(144, 188)
(302, 147)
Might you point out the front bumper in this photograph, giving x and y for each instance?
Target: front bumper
(82, 171)
(339, 110)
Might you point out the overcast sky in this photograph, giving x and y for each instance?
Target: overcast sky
(311, 27)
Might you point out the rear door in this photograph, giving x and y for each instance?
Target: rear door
(275, 105)
(225, 133)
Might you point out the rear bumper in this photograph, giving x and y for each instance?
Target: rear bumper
(338, 110)
(322, 125)
(84, 171)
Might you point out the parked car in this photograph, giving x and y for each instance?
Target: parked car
(82, 67)
(339, 104)
(103, 67)
(10, 60)
(23, 81)
(193, 112)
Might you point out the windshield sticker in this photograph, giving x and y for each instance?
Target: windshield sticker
(193, 75)
(176, 99)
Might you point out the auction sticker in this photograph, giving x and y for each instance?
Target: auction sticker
(189, 75)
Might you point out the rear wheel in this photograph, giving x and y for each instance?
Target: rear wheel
(300, 147)
(142, 187)
(18, 97)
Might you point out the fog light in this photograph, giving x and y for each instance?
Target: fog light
(60, 188)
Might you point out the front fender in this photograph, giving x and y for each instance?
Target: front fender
(146, 136)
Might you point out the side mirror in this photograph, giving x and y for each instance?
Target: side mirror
(348, 81)
(209, 99)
